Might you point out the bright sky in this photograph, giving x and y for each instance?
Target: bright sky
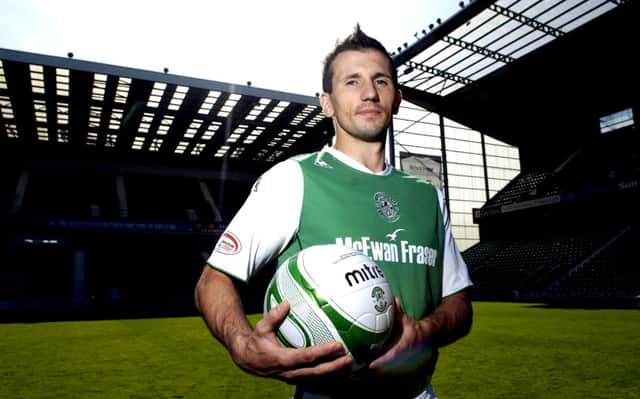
(277, 44)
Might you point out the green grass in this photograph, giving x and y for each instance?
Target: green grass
(524, 351)
(513, 351)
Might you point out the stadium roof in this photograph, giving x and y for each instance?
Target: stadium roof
(519, 70)
(522, 71)
(56, 106)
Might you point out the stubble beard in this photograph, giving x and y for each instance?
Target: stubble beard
(369, 135)
(366, 132)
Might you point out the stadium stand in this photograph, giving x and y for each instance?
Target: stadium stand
(582, 250)
(117, 181)
(69, 195)
(169, 199)
(524, 186)
(609, 273)
(524, 265)
(483, 251)
(579, 246)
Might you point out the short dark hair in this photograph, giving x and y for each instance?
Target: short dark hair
(358, 40)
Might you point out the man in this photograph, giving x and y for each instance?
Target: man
(346, 194)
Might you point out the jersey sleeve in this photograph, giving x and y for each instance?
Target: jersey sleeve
(455, 276)
(264, 225)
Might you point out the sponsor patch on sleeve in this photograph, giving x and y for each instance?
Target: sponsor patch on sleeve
(228, 244)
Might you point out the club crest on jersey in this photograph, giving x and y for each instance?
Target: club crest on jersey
(228, 244)
(387, 207)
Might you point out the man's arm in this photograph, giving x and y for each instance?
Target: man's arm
(257, 351)
(450, 321)
(414, 340)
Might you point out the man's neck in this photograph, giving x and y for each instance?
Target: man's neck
(371, 155)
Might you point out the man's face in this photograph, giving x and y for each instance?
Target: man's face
(363, 100)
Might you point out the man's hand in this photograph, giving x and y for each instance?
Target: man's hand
(257, 350)
(409, 347)
(260, 353)
(413, 340)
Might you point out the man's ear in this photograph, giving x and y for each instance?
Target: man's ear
(397, 101)
(327, 106)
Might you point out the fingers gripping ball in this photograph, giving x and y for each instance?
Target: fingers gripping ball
(335, 294)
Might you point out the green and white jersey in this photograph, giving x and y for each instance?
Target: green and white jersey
(400, 221)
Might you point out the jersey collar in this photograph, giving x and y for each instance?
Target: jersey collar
(347, 160)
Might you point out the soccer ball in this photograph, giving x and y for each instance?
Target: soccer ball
(335, 293)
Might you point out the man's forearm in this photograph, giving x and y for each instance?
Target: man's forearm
(219, 303)
(450, 321)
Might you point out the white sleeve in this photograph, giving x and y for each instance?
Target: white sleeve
(455, 276)
(264, 226)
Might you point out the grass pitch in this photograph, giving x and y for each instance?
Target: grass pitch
(513, 351)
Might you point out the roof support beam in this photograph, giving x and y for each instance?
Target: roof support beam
(438, 72)
(549, 30)
(477, 49)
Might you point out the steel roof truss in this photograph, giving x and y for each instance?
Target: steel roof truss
(526, 20)
(438, 72)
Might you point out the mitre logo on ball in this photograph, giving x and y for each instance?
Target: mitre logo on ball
(335, 293)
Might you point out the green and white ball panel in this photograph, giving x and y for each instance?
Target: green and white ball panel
(305, 325)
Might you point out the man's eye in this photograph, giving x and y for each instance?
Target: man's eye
(351, 82)
(383, 82)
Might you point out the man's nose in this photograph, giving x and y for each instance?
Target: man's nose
(369, 91)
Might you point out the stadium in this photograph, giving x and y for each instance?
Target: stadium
(118, 181)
